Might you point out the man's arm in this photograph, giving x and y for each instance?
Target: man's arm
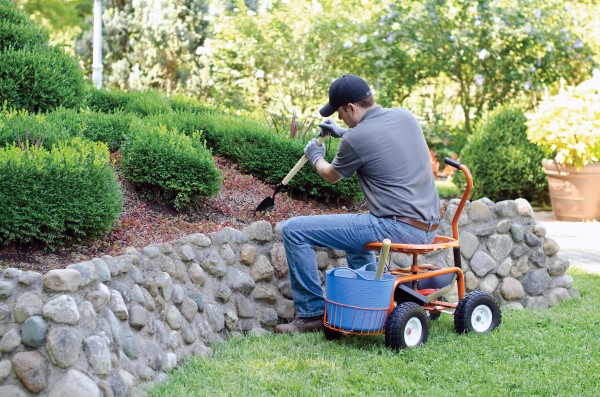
(327, 171)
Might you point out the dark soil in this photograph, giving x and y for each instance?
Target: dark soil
(143, 223)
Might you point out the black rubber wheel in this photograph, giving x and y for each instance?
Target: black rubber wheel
(477, 312)
(406, 327)
(332, 334)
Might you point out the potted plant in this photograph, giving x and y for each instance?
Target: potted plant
(567, 128)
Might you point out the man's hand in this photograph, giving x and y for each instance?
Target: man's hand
(314, 151)
(332, 128)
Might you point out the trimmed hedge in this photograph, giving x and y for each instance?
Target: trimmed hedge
(141, 103)
(67, 194)
(504, 163)
(15, 125)
(261, 152)
(147, 103)
(106, 101)
(110, 128)
(16, 30)
(40, 78)
(170, 166)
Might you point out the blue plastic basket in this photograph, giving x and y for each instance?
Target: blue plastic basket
(355, 300)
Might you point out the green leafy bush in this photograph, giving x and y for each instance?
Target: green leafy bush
(566, 126)
(16, 30)
(110, 128)
(149, 102)
(40, 78)
(16, 124)
(170, 166)
(67, 194)
(180, 103)
(505, 165)
(106, 101)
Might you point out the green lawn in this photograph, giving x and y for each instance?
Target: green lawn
(554, 352)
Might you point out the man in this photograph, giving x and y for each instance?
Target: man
(387, 150)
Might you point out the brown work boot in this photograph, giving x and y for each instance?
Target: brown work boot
(301, 324)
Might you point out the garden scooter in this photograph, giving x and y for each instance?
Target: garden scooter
(417, 294)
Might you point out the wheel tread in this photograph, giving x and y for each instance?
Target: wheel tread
(397, 320)
(462, 315)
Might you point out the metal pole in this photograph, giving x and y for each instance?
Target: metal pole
(97, 58)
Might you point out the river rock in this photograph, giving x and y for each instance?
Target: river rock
(74, 384)
(32, 370)
(62, 310)
(62, 280)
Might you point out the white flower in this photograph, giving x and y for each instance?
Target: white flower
(347, 44)
(259, 74)
(362, 39)
(482, 54)
(479, 79)
(538, 13)
(527, 27)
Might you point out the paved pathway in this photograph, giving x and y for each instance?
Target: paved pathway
(579, 241)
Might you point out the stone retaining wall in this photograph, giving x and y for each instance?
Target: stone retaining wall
(113, 325)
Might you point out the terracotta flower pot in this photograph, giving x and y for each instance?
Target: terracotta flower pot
(574, 194)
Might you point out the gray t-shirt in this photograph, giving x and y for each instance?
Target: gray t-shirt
(388, 152)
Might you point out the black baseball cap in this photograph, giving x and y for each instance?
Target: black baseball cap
(347, 89)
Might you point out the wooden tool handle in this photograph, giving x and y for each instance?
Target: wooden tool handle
(301, 162)
(385, 249)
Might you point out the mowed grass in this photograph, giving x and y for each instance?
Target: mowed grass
(553, 352)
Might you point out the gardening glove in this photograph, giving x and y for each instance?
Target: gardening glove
(314, 151)
(332, 129)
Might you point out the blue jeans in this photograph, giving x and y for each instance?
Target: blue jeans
(347, 232)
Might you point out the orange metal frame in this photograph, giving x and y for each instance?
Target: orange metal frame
(418, 272)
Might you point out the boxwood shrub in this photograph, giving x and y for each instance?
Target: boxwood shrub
(15, 125)
(110, 128)
(40, 78)
(69, 193)
(106, 101)
(505, 165)
(170, 166)
(148, 102)
(17, 30)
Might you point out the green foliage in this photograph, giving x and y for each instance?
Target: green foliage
(18, 123)
(142, 103)
(283, 55)
(504, 164)
(106, 101)
(110, 128)
(33, 75)
(170, 166)
(16, 30)
(183, 103)
(40, 79)
(567, 126)
(150, 45)
(67, 194)
(493, 52)
(149, 102)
